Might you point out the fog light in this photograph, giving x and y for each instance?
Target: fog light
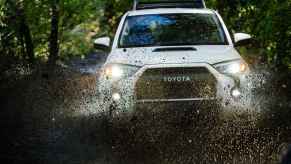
(116, 96)
(235, 93)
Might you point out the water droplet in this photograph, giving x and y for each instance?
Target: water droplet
(284, 86)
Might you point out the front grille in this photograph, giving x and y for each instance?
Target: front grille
(176, 83)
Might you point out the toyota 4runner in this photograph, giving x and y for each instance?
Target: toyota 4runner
(172, 52)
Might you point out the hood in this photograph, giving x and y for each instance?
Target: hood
(147, 56)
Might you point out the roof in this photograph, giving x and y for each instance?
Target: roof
(168, 11)
(140, 4)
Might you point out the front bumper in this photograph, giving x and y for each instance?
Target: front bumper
(121, 94)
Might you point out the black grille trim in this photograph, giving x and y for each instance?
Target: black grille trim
(176, 83)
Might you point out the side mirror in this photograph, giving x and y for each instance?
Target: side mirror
(102, 43)
(241, 39)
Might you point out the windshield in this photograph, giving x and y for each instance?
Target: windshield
(171, 30)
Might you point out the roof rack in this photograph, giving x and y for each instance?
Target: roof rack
(169, 4)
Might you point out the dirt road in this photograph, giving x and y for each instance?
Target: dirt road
(58, 120)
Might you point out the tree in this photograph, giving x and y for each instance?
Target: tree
(16, 20)
(25, 34)
(54, 39)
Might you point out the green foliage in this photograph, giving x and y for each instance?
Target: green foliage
(74, 14)
(79, 40)
(268, 21)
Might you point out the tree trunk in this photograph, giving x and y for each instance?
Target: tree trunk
(54, 40)
(25, 31)
(25, 34)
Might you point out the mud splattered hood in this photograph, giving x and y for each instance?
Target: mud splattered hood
(148, 56)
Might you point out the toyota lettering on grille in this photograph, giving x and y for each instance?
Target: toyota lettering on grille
(177, 79)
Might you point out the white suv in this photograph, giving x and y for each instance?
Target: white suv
(171, 53)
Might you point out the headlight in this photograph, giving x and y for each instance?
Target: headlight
(118, 71)
(233, 67)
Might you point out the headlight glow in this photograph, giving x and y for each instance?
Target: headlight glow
(119, 71)
(116, 96)
(233, 67)
(116, 71)
(235, 92)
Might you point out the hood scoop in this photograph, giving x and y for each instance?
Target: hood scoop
(174, 49)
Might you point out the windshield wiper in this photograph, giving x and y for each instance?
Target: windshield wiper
(175, 49)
